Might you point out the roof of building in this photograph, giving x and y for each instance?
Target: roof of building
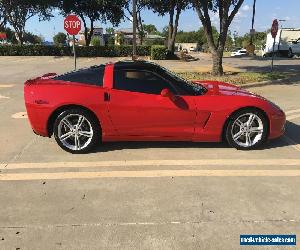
(126, 31)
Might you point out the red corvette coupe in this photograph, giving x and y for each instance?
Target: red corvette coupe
(141, 101)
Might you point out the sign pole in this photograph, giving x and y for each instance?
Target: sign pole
(74, 52)
(72, 25)
(274, 31)
(272, 65)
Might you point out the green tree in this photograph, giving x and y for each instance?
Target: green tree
(94, 10)
(187, 37)
(226, 10)
(60, 38)
(18, 12)
(32, 38)
(173, 8)
(110, 30)
(150, 29)
(202, 36)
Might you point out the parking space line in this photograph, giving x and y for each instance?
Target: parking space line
(6, 85)
(292, 117)
(204, 162)
(292, 111)
(4, 97)
(149, 174)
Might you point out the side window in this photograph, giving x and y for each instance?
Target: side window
(93, 76)
(140, 81)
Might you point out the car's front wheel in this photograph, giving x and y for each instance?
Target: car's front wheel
(247, 129)
(76, 131)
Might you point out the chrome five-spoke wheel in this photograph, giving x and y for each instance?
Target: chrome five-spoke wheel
(247, 129)
(76, 131)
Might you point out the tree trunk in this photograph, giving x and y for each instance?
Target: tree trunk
(217, 63)
(140, 28)
(19, 33)
(19, 37)
(89, 34)
(171, 28)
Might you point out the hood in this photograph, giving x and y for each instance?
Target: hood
(222, 88)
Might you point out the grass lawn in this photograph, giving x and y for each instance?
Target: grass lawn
(238, 78)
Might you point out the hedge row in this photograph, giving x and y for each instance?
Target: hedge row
(158, 52)
(97, 51)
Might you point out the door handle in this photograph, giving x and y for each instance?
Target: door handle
(106, 97)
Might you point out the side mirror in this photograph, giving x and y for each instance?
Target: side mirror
(168, 93)
(165, 93)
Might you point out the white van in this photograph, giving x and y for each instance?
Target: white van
(287, 43)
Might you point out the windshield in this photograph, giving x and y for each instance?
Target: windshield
(184, 85)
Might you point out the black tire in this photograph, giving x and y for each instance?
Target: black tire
(89, 121)
(232, 128)
(290, 53)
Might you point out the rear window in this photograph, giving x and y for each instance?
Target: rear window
(93, 76)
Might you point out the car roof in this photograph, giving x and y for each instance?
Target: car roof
(135, 64)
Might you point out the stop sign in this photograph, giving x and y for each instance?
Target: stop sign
(72, 24)
(274, 29)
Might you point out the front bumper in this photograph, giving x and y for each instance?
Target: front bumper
(277, 125)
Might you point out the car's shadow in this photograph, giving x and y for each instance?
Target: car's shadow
(292, 131)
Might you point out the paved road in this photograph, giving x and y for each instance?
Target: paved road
(140, 195)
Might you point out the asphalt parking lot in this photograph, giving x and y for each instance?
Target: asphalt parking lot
(141, 195)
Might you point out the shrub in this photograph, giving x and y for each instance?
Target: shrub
(95, 41)
(81, 51)
(158, 52)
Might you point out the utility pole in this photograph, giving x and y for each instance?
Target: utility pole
(134, 24)
(253, 18)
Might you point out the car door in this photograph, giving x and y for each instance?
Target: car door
(137, 108)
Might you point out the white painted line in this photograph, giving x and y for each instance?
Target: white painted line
(206, 162)
(4, 97)
(6, 85)
(292, 117)
(149, 174)
(20, 115)
(292, 111)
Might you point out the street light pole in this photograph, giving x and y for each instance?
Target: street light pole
(134, 24)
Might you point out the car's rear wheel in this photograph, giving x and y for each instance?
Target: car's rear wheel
(247, 129)
(76, 131)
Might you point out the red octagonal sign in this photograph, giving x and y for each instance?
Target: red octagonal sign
(72, 24)
(274, 29)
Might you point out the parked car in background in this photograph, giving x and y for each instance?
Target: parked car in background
(192, 49)
(239, 52)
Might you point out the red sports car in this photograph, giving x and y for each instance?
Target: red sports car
(142, 101)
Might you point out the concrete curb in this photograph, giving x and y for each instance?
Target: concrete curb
(266, 83)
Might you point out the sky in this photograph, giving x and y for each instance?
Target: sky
(266, 11)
